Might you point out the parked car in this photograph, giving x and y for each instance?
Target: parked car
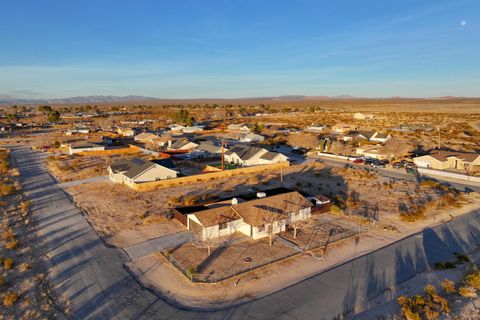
(374, 163)
(358, 161)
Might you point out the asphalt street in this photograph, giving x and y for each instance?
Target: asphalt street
(93, 278)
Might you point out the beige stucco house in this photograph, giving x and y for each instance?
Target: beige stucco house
(139, 171)
(256, 218)
(449, 160)
(250, 156)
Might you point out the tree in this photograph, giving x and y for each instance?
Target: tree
(183, 116)
(54, 116)
(45, 109)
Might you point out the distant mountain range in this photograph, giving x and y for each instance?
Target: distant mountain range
(8, 100)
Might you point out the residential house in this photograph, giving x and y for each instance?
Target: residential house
(126, 132)
(183, 144)
(449, 160)
(380, 137)
(256, 218)
(343, 128)
(146, 137)
(139, 171)
(316, 127)
(362, 116)
(238, 127)
(251, 137)
(249, 156)
(373, 151)
(211, 149)
(84, 146)
(359, 135)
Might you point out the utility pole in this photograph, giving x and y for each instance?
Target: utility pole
(223, 156)
(281, 177)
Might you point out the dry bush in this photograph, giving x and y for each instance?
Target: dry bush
(472, 279)
(448, 286)
(8, 234)
(10, 298)
(23, 267)
(12, 244)
(7, 189)
(430, 305)
(467, 292)
(8, 263)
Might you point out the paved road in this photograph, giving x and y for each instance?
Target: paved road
(158, 244)
(93, 278)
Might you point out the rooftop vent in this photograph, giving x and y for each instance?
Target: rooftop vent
(261, 195)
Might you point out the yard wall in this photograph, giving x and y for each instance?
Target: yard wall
(448, 174)
(329, 155)
(146, 186)
(128, 150)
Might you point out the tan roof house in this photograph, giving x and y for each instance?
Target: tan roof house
(343, 127)
(449, 160)
(256, 218)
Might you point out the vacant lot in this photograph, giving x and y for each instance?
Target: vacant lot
(77, 167)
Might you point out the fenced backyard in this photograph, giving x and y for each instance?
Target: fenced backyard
(230, 259)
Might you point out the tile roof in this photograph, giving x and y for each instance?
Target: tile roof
(264, 210)
(442, 155)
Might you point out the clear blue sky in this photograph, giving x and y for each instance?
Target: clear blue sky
(239, 48)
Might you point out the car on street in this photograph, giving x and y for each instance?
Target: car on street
(358, 161)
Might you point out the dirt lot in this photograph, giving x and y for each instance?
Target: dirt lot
(78, 167)
(321, 229)
(226, 261)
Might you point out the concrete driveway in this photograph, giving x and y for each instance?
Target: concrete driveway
(158, 244)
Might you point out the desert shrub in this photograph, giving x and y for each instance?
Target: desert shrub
(450, 265)
(335, 209)
(430, 305)
(10, 298)
(23, 267)
(415, 213)
(462, 258)
(12, 244)
(24, 205)
(448, 286)
(191, 271)
(439, 265)
(8, 234)
(8, 263)
(473, 279)
(7, 189)
(467, 292)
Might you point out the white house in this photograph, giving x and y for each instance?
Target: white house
(251, 137)
(146, 137)
(316, 127)
(138, 171)
(238, 127)
(256, 218)
(182, 144)
(380, 137)
(361, 116)
(249, 156)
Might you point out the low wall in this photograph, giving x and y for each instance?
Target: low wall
(329, 155)
(448, 174)
(146, 186)
(129, 150)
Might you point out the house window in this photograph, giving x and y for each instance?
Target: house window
(223, 226)
(261, 228)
